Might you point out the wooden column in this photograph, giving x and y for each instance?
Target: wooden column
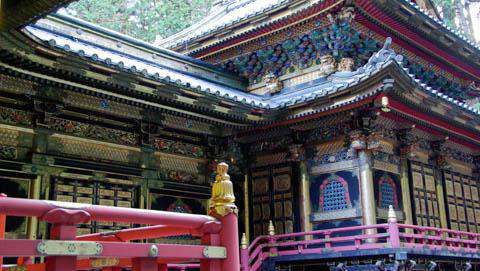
(367, 189)
(438, 161)
(363, 140)
(32, 226)
(406, 199)
(304, 199)
(407, 147)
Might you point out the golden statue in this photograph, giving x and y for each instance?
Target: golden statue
(223, 200)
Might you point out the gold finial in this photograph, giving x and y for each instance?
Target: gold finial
(244, 242)
(392, 216)
(271, 228)
(222, 201)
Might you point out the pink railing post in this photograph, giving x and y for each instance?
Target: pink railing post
(3, 221)
(212, 240)
(328, 243)
(63, 228)
(244, 257)
(229, 239)
(393, 230)
(273, 251)
(144, 264)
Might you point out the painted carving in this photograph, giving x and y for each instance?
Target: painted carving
(338, 39)
(92, 131)
(346, 64)
(170, 146)
(8, 152)
(16, 117)
(272, 83)
(179, 207)
(328, 64)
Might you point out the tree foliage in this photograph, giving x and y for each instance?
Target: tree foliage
(147, 20)
(457, 14)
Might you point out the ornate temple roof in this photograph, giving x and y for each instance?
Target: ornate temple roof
(225, 14)
(56, 33)
(232, 13)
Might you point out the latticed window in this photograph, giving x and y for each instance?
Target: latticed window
(387, 193)
(334, 194)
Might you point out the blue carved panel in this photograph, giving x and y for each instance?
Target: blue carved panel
(387, 189)
(335, 195)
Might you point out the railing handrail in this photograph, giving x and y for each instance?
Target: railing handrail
(428, 228)
(38, 208)
(315, 232)
(267, 246)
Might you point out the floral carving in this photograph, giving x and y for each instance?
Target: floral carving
(177, 147)
(8, 152)
(14, 116)
(92, 131)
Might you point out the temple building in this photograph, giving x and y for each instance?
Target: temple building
(328, 112)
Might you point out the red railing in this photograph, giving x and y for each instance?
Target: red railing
(391, 235)
(112, 251)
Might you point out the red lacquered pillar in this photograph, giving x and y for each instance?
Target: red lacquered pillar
(229, 239)
(3, 219)
(222, 206)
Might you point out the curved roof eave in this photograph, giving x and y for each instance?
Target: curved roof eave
(336, 82)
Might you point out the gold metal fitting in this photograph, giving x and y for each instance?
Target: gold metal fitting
(222, 201)
(244, 242)
(271, 228)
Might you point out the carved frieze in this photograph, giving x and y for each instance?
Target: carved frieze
(8, 152)
(177, 147)
(91, 151)
(80, 129)
(15, 116)
(102, 105)
(16, 85)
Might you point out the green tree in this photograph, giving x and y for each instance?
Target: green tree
(143, 19)
(457, 14)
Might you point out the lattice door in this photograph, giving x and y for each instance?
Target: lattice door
(272, 199)
(81, 191)
(463, 202)
(426, 211)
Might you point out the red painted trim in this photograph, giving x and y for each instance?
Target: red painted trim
(380, 16)
(432, 120)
